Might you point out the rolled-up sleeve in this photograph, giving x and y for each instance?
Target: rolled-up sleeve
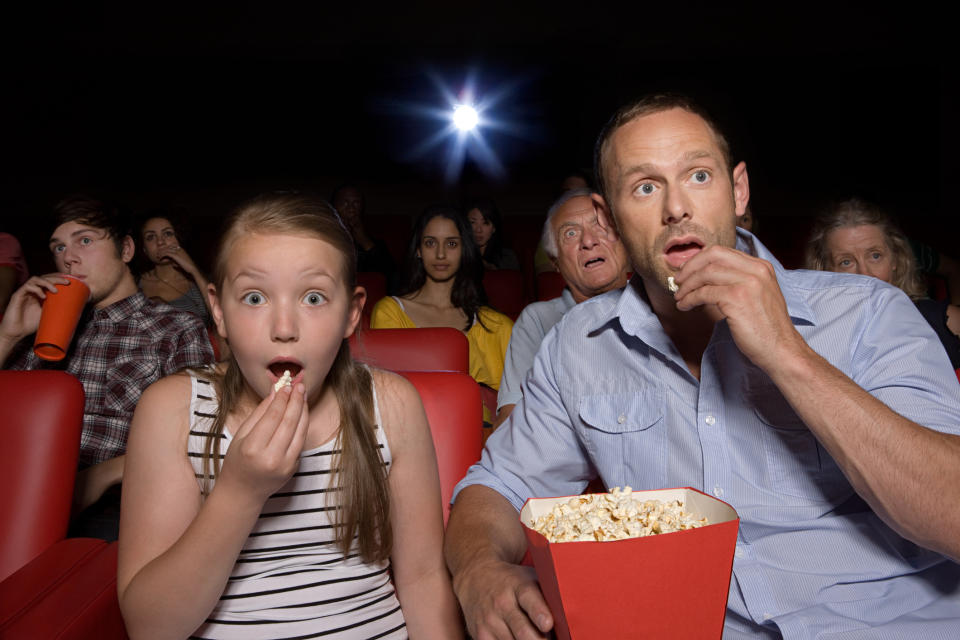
(536, 452)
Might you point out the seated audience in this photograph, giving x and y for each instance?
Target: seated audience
(858, 237)
(13, 268)
(487, 226)
(123, 343)
(173, 276)
(591, 260)
(443, 288)
(818, 405)
(372, 253)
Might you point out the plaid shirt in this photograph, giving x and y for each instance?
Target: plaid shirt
(119, 351)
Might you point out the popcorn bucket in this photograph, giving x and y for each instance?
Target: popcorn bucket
(671, 585)
(58, 319)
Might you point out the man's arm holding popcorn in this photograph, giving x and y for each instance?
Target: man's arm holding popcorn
(484, 544)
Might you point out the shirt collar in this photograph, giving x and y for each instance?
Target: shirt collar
(638, 319)
(568, 298)
(122, 309)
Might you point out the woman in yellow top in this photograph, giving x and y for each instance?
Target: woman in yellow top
(443, 287)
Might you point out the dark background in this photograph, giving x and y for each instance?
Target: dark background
(194, 108)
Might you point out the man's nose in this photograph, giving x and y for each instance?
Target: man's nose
(285, 327)
(675, 206)
(590, 237)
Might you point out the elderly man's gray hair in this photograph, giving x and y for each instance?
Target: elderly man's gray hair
(548, 239)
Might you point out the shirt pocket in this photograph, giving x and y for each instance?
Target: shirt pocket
(626, 437)
(126, 379)
(797, 464)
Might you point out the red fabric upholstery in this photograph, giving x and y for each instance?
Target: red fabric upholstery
(68, 592)
(504, 289)
(452, 404)
(42, 419)
(550, 285)
(430, 349)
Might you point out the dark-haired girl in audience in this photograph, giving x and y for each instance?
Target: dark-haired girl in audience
(858, 237)
(173, 276)
(262, 505)
(485, 223)
(443, 288)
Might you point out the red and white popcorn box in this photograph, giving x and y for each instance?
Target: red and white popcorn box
(669, 585)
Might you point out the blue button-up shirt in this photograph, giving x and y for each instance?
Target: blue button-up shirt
(609, 396)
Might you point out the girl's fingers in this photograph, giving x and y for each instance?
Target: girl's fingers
(259, 412)
(284, 433)
(300, 435)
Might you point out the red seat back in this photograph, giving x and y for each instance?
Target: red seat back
(452, 405)
(504, 289)
(42, 419)
(428, 349)
(550, 285)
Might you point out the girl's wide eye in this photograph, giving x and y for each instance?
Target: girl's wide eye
(254, 298)
(314, 298)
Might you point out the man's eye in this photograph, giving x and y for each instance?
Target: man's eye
(59, 248)
(254, 298)
(85, 240)
(646, 189)
(845, 263)
(701, 177)
(876, 255)
(314, 298)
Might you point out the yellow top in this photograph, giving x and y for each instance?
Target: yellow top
(488, 347)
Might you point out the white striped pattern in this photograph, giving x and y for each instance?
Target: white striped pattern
(291, 581)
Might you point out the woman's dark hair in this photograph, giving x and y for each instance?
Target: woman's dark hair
(490, 214)
(468, 294)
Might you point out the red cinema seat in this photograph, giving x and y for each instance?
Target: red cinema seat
(452, 405)
(428, 349)
(43, 416)
(504, 289)
(50, 587)
(550, 285)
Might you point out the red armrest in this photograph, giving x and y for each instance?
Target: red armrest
(68, 592)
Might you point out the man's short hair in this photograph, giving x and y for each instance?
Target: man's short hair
(96, 213)
(548, 238)
(646, 106)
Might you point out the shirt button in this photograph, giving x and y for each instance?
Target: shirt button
(621, 419)
(717, 491)
(710, 420)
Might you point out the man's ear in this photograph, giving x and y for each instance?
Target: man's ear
(356, 310)
(604, 215)
(127, 249)
(216, 311)
(741, 188)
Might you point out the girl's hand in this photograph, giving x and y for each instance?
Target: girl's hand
(266, 449)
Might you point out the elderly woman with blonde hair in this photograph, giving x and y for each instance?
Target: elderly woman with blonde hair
(858, 237)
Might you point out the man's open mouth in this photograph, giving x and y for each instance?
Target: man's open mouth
(678, 253)
(592, 262)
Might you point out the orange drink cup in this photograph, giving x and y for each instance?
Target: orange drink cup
(58, 319)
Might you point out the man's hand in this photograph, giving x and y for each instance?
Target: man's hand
(22, 316)
(502, 601)
(744, 290)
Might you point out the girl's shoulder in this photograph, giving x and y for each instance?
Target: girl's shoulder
(401, 409)
(165, 404)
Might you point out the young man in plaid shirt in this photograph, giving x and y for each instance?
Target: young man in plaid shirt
(123, 344)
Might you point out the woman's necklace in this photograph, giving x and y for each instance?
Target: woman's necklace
(182, 292)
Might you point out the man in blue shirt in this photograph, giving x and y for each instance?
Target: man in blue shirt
(819, 405)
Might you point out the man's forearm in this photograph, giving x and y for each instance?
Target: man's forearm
(483, 526)
(906, 472)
